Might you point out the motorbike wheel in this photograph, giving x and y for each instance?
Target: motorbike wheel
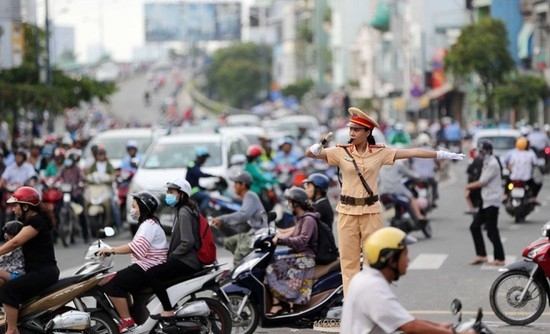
(505, 294)
(219, 320)
(65, 227)
(102, 323)
(247, 321)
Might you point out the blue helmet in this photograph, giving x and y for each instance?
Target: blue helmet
(201, 152)
(319, 180)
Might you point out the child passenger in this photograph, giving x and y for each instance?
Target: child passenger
(12, 264)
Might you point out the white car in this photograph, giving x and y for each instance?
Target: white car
(252, 133)
(290, 125)
(168, 158)
(242, 120)
(503, 140)
(114, 141)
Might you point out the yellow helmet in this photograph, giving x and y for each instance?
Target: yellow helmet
(521, 143)
(385, 243)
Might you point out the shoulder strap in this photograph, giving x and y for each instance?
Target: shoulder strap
(363, 181)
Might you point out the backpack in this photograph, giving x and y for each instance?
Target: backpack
(207, 249)
(327, 251)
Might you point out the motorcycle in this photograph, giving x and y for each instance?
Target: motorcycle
(518, 202)
(462, 326)
(518, 296)
(422, 192)
(248, 301)
(195, 312)
(97, 200)
(403, 218)
(49, 313)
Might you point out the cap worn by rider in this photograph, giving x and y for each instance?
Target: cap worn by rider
(359, 119)
(243, 177)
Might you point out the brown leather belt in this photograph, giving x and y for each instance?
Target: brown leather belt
(359, 201)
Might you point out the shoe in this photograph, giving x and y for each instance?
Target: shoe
(274, 313)
(497, 263)
(478, 260)
(126, 325)
(327, 325)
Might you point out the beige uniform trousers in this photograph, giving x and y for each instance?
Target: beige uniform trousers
(353, 230)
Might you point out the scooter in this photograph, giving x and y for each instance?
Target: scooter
(403, 219)
(49, 313)
(518, 203)
(195, 312)
(249, 302)
(97, 200)
(518, 296)
(123, 179)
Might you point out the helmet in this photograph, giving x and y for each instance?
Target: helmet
(180, 184)
(25, 195)
(201, 152)
(59, 152)
(319, 180)
(423, 139)
(243, 177)
(485, 145)
(148, 200)
(286, 140)
(131, 144)
(521, 143)
(254, 151)
(385, 243)
(12, 227)
(297, 195)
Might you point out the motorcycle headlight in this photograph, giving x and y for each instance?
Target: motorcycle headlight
(533, 252)
(246, 266)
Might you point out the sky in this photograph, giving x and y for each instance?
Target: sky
(121, 22)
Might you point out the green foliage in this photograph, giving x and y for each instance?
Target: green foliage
(481, 49)
(298, 89)
(521, 93)
(237, 74)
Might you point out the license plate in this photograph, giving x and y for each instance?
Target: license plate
(518, 192)
(422, 193)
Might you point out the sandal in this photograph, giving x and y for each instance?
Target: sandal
(478, 260)
(273, 313)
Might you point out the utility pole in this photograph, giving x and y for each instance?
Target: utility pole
(49, 78)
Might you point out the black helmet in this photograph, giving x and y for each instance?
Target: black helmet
(485, 146)
(148, 200)
(12, 227)
(319, 180)
(297, 195)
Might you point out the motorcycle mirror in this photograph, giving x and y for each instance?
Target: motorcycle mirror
(456, 306)
(107, 232)
(271, 216)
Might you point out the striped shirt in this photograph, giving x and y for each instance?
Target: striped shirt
(149, 246)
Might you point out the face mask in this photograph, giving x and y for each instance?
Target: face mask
(67, 163)
(170, 200)
(133, 214)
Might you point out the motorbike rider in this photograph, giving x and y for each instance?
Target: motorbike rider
(290, 277)
(316, 186)
(12, 264)
(105, 173)
(56, 164)
(261, 182)
(131, 161)
(371, 305)
(182, 251)
(41, 269)
(538, 139)
(18, 173)
(426, 168)
(148, 249)
(71, 173)
(267, 148)
(250, 218)
(521, 163)
(194, 174)
(391, 183)
(287, 154)
(399, 136)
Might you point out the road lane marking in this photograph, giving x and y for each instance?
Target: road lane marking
(509, 259)
(427, 261)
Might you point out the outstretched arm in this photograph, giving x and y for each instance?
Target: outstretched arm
(415, 153)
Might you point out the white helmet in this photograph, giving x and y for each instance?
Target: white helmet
(423, 139)
(180, 184)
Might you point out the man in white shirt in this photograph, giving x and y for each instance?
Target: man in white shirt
(371, 307)
(538, 138)
(19, 172)
(521, 163)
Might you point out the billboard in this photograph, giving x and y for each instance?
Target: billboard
(192, 21)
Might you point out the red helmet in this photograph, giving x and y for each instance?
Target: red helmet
(25, 195)
(254, 151)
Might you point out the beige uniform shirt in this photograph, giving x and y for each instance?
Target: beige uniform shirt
(369, 164)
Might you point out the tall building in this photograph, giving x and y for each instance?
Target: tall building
(11, 33)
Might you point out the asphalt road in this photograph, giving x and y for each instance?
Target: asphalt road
(439, 269)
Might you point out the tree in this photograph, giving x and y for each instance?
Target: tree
(481, 49)
(521, 93)
(238, 74)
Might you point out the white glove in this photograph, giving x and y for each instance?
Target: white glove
(316, 148)
(444, 155)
